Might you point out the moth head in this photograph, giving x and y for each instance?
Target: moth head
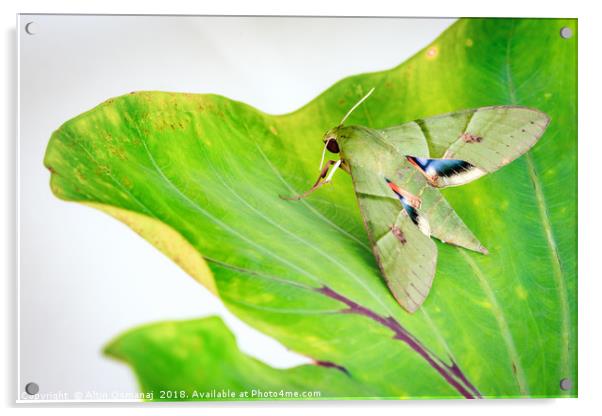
(330, 141)
(330, 138)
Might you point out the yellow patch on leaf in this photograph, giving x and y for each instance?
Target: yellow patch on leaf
(167, 240)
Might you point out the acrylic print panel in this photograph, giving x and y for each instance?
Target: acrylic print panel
(165, 253)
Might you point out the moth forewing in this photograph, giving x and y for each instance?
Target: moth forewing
(404, 254)
(503, 134)
(445, 224)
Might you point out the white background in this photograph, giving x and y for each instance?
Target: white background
(590, 286)
(84, 278)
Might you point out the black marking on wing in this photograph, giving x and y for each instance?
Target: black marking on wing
(441, 167)
(412, 212)
(451, 167)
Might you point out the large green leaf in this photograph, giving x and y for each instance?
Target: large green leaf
(199, 176)
(199, 360)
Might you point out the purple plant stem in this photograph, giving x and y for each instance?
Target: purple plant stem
(452, 374)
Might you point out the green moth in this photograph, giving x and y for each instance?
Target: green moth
(396, 173)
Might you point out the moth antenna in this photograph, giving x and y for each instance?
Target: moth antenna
(356, 105)
(323, 154)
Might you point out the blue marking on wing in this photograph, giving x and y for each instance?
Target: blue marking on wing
(412, 212)
(441, 167)
(421, 161)
(447, 167)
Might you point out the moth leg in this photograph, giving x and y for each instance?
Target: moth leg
(319, 182)
(345, 167)
(334, 169)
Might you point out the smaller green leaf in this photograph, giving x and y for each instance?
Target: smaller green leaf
(200, 360)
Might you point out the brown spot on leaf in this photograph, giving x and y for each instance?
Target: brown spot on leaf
(471, 138)
(127, 182)
(432, 52)
(117, 152)
(80, 175)
(102, 170)
(399, 234)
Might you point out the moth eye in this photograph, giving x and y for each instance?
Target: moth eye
(332, 146)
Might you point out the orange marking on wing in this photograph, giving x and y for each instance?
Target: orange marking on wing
(417, 166)
(431, 179)
(394, 188)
